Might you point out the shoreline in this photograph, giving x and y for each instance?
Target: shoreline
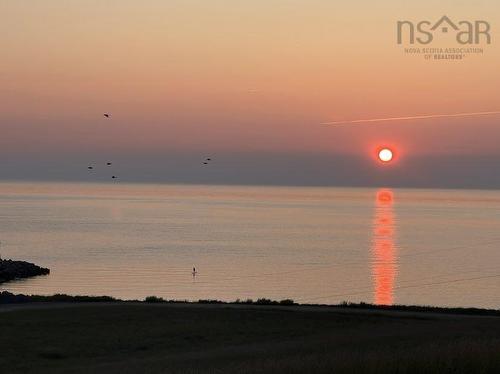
(9, 299)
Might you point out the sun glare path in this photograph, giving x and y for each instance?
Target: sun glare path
(384, 260)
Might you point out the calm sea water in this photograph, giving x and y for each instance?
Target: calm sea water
(321, 245)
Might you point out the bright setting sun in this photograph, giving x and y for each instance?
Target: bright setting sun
(385, 155)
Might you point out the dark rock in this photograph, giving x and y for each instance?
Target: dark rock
(10, 270)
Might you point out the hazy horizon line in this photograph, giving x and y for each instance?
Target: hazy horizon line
(241, 184)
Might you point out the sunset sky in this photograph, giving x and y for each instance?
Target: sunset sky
(248, 83)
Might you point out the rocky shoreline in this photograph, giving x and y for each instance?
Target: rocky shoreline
(10, 270)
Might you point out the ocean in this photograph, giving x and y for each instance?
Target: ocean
(309, 244)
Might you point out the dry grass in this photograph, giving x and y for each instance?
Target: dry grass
(159, 338)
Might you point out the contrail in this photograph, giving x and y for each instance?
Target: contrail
(412, 118)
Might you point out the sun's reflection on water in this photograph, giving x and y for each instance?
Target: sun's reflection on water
(384, 261)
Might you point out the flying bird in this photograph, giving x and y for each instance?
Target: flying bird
(114, 177)
(107, 115)
(90, 167)
(108, 163)
(408, 118)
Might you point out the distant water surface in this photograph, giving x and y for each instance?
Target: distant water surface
(318, 245)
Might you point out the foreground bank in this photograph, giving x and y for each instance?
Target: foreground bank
(117, 337)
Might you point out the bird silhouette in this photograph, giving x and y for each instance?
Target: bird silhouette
(114, 177)
(90, 167)
(108, 163)
(107, 115)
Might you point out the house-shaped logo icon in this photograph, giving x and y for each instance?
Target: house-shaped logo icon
(442, 21)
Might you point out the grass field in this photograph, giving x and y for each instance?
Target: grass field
(183, 338)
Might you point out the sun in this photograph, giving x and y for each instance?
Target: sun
(385, 155)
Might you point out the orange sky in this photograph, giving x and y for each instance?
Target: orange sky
(237, 76)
